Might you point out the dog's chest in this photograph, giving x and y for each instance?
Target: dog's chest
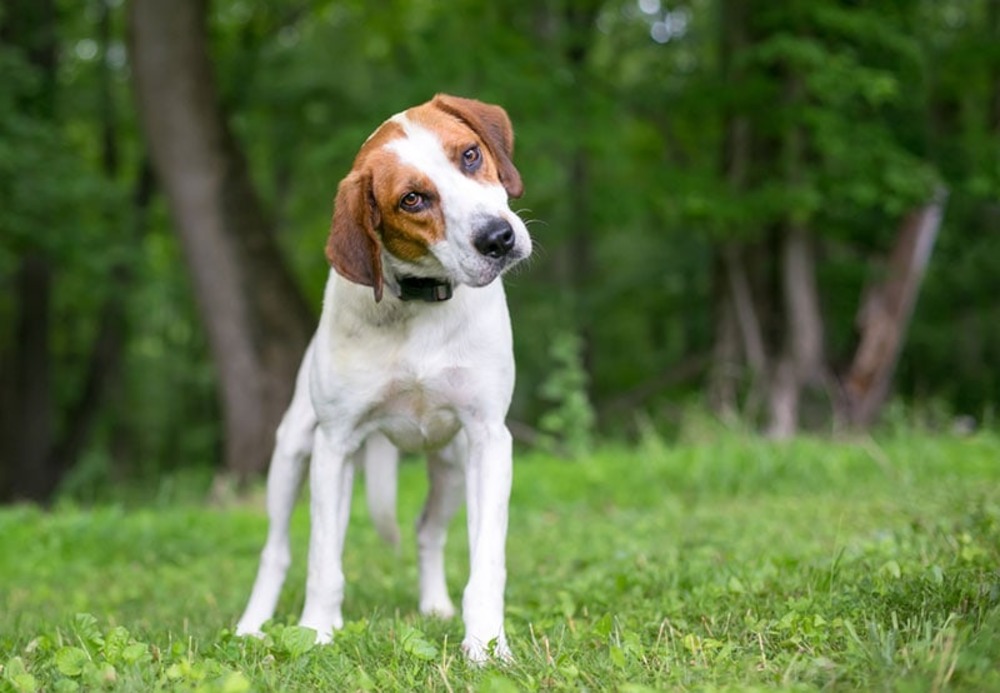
(417, 373)
(408, 380)
(417, 411)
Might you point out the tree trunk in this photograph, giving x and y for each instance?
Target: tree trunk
(993, 23)
(805, 321)
(724, 373)
(27, 415)
(580, 19)
(801, 362)
(32, 417)
(992, 211)
(737, 330)
(257, 323)
(885, 314)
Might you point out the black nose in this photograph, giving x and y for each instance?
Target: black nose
(496, 239)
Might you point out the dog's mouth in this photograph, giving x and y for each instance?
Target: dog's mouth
(487, 269)
(497, 246)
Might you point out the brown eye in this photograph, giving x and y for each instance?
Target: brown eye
(471, 159)
(412, 201)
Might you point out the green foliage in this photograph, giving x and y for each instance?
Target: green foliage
(109, 659)
(41, 186)
(568, 425)
(726, 562)
(621, 141)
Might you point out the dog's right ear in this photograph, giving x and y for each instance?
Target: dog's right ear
(353, 247)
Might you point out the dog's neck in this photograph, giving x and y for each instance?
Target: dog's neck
(422, 281)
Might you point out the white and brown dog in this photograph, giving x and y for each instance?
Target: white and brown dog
(413, 352)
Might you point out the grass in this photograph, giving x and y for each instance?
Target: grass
(731, 564)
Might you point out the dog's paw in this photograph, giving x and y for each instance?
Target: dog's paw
(246, 629)
(324, 628)
(495, 650)
(324, 636)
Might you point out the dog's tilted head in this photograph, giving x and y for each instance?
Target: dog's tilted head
(428, 197)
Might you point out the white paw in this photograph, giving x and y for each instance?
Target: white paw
(479, 653)
(249, 630)
(324, 630)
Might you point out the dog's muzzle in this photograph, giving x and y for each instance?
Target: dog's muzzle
(495, 239)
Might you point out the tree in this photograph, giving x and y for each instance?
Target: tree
(255, 318)
(687, 165)
(885, 314)
(27, 411)
(799, 142)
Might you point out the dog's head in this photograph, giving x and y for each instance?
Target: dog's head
(427, 196)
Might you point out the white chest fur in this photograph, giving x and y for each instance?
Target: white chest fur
(413, 371)
(415, 411)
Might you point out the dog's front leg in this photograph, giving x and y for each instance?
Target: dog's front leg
(488, 482)
(293, 445)
(331, 477)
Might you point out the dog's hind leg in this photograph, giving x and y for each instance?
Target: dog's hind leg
(447, 483)
(381, 467)
(293, 445)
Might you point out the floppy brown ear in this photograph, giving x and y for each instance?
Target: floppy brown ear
(493, 126)
(353, 247)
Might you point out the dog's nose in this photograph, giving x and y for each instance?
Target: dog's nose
(496, 239)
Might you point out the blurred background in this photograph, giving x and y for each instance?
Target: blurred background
(780, 217)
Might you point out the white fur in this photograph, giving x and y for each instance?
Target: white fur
(431, 377)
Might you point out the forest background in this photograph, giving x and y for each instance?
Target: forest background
(735, 203)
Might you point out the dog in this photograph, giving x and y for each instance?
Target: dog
(413, 352)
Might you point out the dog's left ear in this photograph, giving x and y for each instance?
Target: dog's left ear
(353, 247)
(493, 126)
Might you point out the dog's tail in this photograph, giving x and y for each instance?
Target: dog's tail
(381, 464)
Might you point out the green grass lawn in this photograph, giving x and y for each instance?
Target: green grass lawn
(730, 564)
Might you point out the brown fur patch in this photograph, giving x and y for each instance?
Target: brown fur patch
(386, 133)
(456, 136)
(493, 127)
(407, 235)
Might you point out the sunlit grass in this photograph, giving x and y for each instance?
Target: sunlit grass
(730, 563)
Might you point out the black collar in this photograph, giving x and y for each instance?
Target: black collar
(427, 289)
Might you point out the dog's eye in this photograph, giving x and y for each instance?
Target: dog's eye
(472, 158)
(412, 202)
